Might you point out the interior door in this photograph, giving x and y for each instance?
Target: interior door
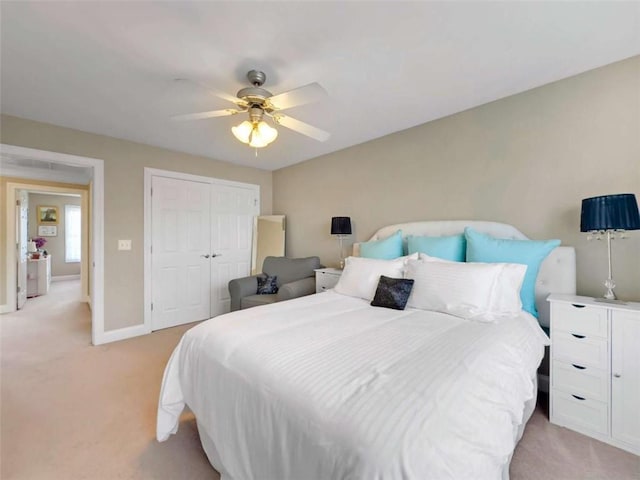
(233, 209)
(22, 227)
(180, 251)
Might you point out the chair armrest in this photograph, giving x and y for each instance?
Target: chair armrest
(298, 288)
(242, 287)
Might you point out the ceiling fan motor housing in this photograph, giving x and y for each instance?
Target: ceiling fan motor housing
(256, 78)
(255, 95)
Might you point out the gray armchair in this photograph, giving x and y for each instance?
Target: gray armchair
(295, 278)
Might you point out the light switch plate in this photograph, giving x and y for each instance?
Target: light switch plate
(124, 244)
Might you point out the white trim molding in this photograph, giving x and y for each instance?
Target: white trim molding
(124, 333)
(96, 255)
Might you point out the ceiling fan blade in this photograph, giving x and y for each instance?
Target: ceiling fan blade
(203, 115)
(303, 128)
(216, 92)
(298, 96)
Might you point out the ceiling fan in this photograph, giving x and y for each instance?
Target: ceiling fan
(258, 103)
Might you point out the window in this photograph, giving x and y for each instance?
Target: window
(72, 233)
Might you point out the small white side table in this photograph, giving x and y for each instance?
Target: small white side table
(326, 278)
(38, 276)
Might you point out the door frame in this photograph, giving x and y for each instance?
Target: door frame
(96, 253)
(149, 173)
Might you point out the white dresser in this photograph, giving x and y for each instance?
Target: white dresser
(38, 276)
(327, 278)
(595, 369)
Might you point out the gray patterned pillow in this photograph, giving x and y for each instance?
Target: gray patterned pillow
(267, 285)
(392, 292)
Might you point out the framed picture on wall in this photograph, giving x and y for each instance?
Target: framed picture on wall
(47, 214)
(47, 230)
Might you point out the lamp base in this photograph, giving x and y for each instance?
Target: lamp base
(612, 301)
(610, 284)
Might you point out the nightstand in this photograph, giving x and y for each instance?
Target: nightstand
(595, 369)
(327, 278)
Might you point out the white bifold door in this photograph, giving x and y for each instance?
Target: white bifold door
(201, 238)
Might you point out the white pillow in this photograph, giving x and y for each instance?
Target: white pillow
(506, 294)
(361, 275)
(505, 299)
(480, 291)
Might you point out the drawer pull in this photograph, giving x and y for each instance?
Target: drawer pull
(577, 397)
(577, 305)
(579, 367)
(578, 336)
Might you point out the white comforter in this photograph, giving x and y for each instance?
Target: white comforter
(328, 387)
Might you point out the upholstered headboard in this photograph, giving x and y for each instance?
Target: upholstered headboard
(557, 272)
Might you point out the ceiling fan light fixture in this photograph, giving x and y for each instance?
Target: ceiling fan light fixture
(256, 135)
(266, 132)
(243, 131)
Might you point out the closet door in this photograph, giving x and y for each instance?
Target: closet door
(181, 247)
(233, 209)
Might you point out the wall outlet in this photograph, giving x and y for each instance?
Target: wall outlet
(124, 244)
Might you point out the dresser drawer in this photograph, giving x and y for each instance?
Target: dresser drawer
(581, 319)
(581, 380)
(580, 349)
(577, 411)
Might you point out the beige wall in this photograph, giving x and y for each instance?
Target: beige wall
(124, 164)
(527, 160)
(55, 246)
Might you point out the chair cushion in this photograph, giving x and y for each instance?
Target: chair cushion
(290, 269)
(257, 300)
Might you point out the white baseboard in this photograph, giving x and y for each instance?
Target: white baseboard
(63, 278)
(122, 334)
(6, 308)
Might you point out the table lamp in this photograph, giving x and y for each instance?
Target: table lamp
(341, 227)
(610, 216)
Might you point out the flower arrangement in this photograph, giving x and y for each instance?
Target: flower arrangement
(40, 242)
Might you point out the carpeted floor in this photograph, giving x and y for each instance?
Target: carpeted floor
(73, 411)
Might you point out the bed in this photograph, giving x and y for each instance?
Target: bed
(327, 386)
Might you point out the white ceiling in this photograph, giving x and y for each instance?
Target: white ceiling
(109, 67)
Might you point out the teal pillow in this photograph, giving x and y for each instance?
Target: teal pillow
(487, 249)
(386, 249)
(448, 248)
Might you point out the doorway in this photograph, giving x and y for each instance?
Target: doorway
(198, 236)
(53, 240)
(14, 155)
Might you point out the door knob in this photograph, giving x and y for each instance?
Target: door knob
(205, 256)
(214, 255)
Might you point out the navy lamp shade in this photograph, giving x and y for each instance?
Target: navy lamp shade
(340, 226)
(610, 212)
(607, 215)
